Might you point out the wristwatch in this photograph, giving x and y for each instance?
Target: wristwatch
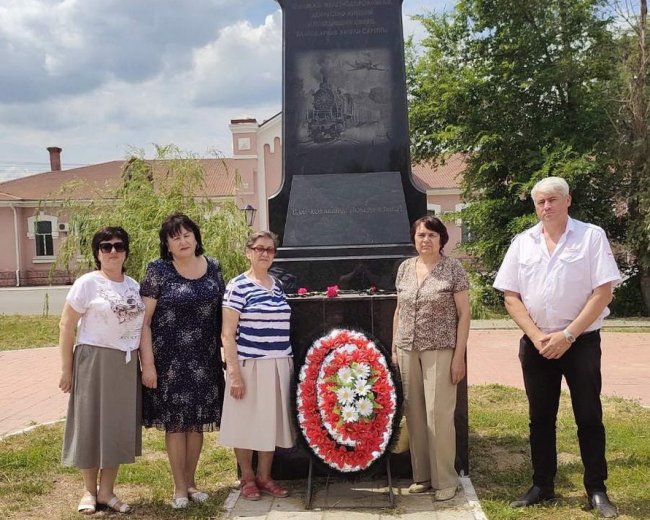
(569, 337)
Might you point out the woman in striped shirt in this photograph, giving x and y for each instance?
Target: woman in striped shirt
(255, 336)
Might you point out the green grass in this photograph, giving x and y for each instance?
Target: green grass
(34, 485)
(500, 461)
(21, 332)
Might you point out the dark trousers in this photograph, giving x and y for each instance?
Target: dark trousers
(580, 366)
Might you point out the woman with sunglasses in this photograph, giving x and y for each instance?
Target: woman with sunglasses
(255, 336)
(181, 350)
(101, 372)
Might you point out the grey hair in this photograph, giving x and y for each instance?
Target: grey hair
(551, 185)
(254, 237)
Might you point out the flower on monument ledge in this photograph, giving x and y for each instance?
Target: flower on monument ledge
(332, 291)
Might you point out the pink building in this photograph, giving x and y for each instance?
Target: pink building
(32, 231)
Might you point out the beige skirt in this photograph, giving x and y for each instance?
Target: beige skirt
(261, 420)
(103, 426)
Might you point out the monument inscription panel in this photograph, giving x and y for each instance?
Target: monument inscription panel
(340, 209)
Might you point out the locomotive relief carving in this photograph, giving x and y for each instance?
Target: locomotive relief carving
(344, 97)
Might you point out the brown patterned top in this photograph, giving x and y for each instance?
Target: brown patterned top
(427, 318)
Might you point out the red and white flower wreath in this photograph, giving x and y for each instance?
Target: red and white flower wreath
(346, 401)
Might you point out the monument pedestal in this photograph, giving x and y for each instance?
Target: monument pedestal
(350, 267)
(311, 318)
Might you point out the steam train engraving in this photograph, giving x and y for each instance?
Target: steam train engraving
(331, 112)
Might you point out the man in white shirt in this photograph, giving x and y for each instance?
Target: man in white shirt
(557, 278)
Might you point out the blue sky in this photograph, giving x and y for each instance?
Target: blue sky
(99, 77)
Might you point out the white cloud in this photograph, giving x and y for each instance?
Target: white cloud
(96, 77)
(243, 65)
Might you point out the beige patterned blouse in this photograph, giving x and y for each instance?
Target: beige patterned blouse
(427, 318)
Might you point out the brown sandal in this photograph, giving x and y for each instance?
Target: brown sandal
(248, 489)
(271, 487)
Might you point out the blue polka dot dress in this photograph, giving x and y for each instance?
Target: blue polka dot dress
(186, 334)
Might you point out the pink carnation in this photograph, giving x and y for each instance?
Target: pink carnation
(332, 291)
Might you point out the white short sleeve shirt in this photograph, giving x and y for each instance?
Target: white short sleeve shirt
(555, 288)
(112, 313)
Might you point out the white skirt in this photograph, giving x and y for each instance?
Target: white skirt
(261, 420)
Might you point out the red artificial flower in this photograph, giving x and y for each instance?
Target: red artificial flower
(302, 290)
(332, 291)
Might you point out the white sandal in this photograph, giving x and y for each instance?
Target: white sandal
(180, 502)
(87, 505)
(197, 496)
(116, 505)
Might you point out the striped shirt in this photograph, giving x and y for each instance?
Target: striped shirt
(264, 314)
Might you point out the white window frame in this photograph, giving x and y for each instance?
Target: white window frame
(459, 221)
(436, 208)
(31, 234)
(458, 208)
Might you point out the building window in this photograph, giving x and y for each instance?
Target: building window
(43, 230)
(434, 210)
(43, 237)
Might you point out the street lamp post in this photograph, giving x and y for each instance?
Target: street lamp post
(249, 213)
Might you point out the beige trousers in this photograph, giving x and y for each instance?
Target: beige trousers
(429, 404)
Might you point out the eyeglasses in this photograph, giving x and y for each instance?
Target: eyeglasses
(259, 250)
(107, 247)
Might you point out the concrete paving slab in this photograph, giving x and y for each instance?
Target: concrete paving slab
(339, 499)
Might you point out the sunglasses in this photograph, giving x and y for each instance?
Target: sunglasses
(107, 247)
(259, 250)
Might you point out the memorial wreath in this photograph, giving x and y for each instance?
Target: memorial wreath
(347, 401)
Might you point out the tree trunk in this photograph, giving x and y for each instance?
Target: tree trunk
(645, 289)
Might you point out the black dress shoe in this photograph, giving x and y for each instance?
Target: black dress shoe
(600, 502)
(533, 496)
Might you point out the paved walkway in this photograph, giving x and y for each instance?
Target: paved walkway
(492, 358)
(364, 500)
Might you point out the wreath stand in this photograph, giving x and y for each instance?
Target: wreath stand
(309, 495)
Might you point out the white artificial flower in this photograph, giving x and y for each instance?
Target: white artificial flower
(364, 407)
(345, 375)
(349, 413)
(361, 387)
(345, 395)
(361, 370)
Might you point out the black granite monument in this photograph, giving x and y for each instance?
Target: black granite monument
(347, 195)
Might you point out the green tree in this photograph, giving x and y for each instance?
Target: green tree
(522, 88)
(631, 144)
(149, 191)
